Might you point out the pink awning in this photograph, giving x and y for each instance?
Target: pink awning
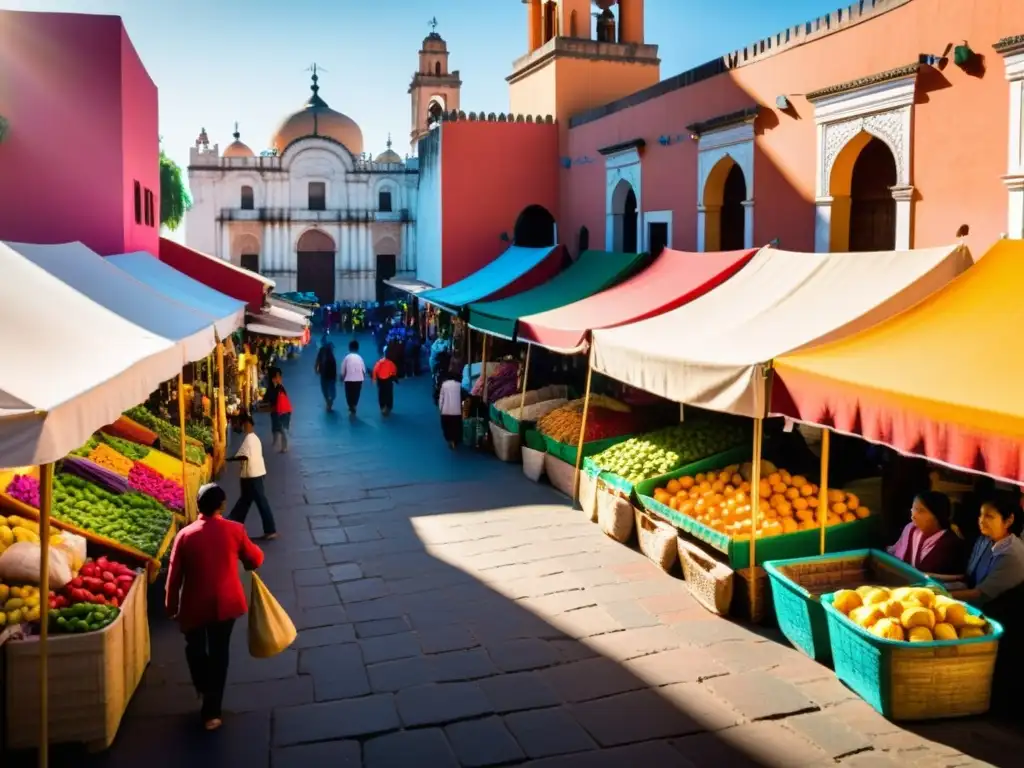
(218, 274)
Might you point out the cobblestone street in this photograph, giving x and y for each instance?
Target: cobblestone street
(452, 613)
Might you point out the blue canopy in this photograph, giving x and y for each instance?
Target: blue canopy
(229, 312)
(495, 277)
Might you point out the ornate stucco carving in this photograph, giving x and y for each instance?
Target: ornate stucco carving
(887, 126)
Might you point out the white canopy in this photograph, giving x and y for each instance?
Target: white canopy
(70, 365)
(97, 279)
(714, 351)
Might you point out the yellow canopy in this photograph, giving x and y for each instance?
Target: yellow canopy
(942, 379)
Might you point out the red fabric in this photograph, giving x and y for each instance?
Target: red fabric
(217, 274)
(203, 585)
(384, 370)
(282, 405)
(673, 279)
(886, 419)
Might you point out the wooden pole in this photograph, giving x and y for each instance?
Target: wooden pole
(755, 508)
(45, 505)
(583, 434)
(222, 413)
(483, 368)
(823, 493)
(526, 375)
(184, 460)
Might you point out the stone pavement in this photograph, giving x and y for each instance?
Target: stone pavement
(452, 613)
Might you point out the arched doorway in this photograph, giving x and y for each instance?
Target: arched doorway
(725, 221)
(584, 241)
(315, 265)
(535, 228)
(624, 221)
(386, 250)
(246, 252)
(863, 216)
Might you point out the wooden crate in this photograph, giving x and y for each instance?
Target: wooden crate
(86, 688)
(136, 635)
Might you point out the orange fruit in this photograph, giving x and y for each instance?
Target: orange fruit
(839, 509)
(863, 512)
(800, 503)
(774, 477)
(806, 489)
(686, 483)
(673, 487)
(799, 481)
(852, 501)
(792, 493)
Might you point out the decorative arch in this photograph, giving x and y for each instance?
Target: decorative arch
(315, 241)
(318, 150)
(723, 155)
(723, 203)
(315, 265)
(535, 228)
(625, 207)
(435, 109)
(246, 243)
(246, 198)
(391, 186)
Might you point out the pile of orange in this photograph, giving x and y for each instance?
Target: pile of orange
(722, 501)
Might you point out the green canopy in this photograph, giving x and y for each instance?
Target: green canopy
(592, 272)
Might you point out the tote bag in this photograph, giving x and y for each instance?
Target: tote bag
(270, 628)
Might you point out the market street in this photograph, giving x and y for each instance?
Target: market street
(453, 613)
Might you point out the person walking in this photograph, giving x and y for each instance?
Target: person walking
(449, 402)
(353, 374)
(204, 594)
(327, 366)
(280, 407)
(386, 375)
(254, 469)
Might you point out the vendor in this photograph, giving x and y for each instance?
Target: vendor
(996, 564)
(928, 542)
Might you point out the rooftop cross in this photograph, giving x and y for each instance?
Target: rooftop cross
(433, 24)
(236, 134)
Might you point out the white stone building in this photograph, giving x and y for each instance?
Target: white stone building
(315, 212)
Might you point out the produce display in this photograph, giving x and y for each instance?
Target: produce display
(106, 457)
(94, 473)
(18, 604)
(133, 519)
(14, 529)
(200, 432)
(722, 501)
(150, 482)
(909, 614)
(660, 452)
(605, 418)
(83, 617)
(169, 435)
(24, 488)
(126, 448)
(86, 449)
(103, 582)
(128, 429)
(503, 382)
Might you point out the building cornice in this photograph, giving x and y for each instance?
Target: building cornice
(1010, 45)
(899, 73)
(746, 115)
(587, 50)
(622, 146)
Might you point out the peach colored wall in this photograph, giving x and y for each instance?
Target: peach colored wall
(490, 172)
(959, 131)
(141, 148)
(61, 165)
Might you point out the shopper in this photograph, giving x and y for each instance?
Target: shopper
(353, 374)
(449, 402)
(204, 594)
(327, 366)
(254, 469)
(276, 401)
(386, 375)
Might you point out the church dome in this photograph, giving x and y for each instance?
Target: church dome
(389, 155)
(238, 148)
(317, 119)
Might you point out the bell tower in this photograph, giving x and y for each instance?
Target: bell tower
(433, 89)
(573, 64)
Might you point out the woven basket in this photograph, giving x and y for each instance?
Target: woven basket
(762, 606)
(614, 514)
(657, 540)
(709, 581)
(533, 463)
(506, 444)
(588, 495)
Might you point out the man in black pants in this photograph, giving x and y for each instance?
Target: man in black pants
(353, 374)
(253, 472)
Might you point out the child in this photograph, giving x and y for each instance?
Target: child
(449, 402)
(280, 407)
(385, 373)
(353, 373)
(250, 453)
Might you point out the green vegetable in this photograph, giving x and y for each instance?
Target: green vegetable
(170, 435)
(129, 450)
(86, 449)
(82, 617)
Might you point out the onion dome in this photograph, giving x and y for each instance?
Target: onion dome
(389, 155)
(237, 148)
(317, 119)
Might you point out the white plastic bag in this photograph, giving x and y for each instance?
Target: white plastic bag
(19, 564)
(74, 548)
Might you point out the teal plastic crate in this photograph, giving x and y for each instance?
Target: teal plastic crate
(798, 583)
(914, 681)
(567, 453)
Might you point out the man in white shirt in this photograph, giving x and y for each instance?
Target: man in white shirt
(353, 374)
(250, 453)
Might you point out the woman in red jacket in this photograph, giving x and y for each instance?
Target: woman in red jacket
(205, 595)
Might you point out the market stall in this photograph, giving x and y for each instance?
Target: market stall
(224, 277)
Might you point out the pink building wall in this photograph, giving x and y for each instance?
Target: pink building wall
(82, 115)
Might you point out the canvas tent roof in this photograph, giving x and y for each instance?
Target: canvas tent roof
(229, 312)
(714, 351)
(674, 278)
(408, 285)
(593, 271)
(70, 364)
(940, 380)
(222, 276)
(275, 321)
(102, 282)
(513, 264)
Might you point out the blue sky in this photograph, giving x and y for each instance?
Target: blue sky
(218, 61)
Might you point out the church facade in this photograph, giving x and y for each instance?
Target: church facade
(317, 212)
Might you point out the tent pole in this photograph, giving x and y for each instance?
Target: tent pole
(483, 368)
(526, 375)
(45, 505)
(181, 427)
(755, 508)
(583, 432)
(222, 417)
(823, 494)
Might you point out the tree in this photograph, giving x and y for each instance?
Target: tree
(174, 196)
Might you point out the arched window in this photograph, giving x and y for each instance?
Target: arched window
(433, 113)
(437, 68)
(247, 203)
(317, 196)
(384, 201)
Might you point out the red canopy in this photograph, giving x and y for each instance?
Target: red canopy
(216, 273)
(673, 279)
